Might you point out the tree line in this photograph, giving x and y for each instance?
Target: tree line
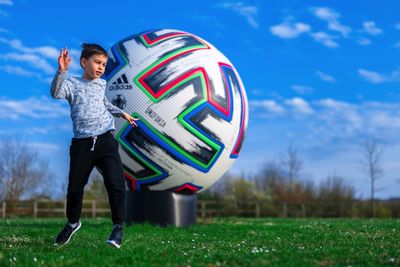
(25, 175)
(282, 182)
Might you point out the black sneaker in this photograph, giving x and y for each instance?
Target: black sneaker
(65, 235)
(115, 238)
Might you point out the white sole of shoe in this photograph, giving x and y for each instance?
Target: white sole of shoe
(112, 243)
(73, 232)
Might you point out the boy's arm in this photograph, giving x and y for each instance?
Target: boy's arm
(60, 86)
(115, 111)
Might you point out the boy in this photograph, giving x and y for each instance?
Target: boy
(93, 144)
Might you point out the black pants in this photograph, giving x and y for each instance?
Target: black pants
(106, 158)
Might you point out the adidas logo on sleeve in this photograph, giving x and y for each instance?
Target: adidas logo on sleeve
(121, 83)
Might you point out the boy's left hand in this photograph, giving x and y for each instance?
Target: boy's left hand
(130, 119)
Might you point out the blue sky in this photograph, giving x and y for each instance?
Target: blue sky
(320, 75)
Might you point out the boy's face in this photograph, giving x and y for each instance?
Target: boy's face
(93, 67)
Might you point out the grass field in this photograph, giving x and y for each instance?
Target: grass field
(216, 242)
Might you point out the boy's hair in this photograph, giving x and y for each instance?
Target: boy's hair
(89, 50)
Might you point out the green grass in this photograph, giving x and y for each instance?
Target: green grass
(216, 242)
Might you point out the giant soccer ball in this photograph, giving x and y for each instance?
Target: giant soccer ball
(192, 108)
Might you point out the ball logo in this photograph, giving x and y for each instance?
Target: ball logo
(120, 84)
(192, 108)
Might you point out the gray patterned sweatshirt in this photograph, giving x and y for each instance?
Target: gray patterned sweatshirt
(90, 109)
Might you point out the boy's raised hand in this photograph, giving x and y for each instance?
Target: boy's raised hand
(130, 119)
(63, 60)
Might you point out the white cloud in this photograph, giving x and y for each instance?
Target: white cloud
(333, 104)
(325, 77)
(371, 28)
(288, 30)
(340, 115)
(335, 119)
(300, 106)
(330, 16)
(46, 51)
(270, 105)
(302, 89)
(32, 108)
(376, 77)
(325, 39)
(372, 76)
(37, 56)
(385, 120)
(247, 11)
(368, 118)
(6, 2)
(19, 71)
(291, 30)
(32, 59)
(363, 41)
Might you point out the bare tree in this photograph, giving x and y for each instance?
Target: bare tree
(372, 164)
(272, 181)
(22, 171)
(282, 184)
(335, 189)
(292, 163)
